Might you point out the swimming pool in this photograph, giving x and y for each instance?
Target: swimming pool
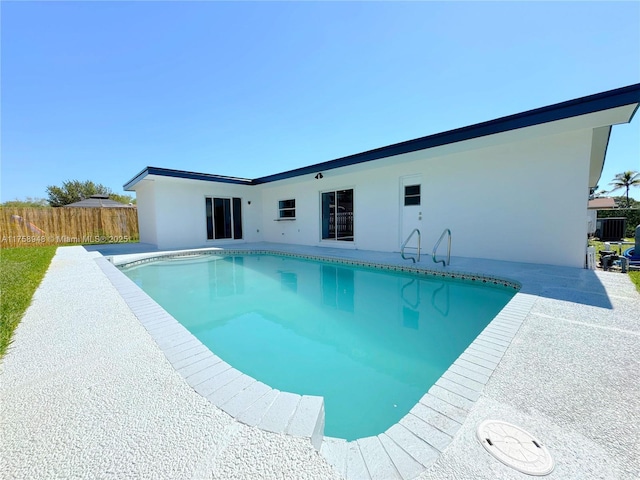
(370, 341)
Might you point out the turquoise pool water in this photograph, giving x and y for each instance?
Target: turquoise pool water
(370, 341)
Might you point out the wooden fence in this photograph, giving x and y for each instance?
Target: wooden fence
(23, 227)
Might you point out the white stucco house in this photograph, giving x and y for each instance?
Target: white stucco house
(496, 185)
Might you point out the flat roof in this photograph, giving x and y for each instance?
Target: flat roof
(619, 97)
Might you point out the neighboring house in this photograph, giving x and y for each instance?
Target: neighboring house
(98, 201)
(544, 161)
(604, 203)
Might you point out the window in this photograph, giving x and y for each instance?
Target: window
(412, 195)
(224, 218)
(287, 209)
(337, 215)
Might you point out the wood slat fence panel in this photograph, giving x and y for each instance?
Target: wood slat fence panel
(20, 227)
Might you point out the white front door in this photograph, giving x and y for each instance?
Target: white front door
(411, 208)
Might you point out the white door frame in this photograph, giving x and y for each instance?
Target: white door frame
(410, 215)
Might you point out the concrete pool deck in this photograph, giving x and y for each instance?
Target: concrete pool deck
(86, 392)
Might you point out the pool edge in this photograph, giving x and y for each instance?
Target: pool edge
(407, 448)
(244, 398)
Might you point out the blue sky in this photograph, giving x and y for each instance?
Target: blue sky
(97, 91)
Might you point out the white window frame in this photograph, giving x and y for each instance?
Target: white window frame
(335, 240)
(281, 210)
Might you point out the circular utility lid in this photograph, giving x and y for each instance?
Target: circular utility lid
(515, 447)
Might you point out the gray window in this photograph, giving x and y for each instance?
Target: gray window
(287, 208)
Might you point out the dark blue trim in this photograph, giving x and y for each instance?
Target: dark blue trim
(559, 111)
(166, 172)
(135, 179)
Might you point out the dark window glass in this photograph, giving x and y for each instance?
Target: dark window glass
(224, 218)
(287, 204)
(328, 210)
(209, 209)
(412, 190)
(344, 215)
(337, 215)
(412, 195)
(218, 217)
(287, 209)
(237, 218)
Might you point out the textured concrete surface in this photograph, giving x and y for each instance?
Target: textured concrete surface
(86, 393)
(571, 378)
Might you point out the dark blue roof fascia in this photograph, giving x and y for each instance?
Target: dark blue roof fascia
(572, 108)
(581, 106)
(166, 172)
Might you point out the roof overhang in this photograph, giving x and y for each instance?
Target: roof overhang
(149, 173)
(598, 111)
(599, 144)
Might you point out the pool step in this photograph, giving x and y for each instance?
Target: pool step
(283, 412)
(383, 457)
(406, 449)
(252, 402)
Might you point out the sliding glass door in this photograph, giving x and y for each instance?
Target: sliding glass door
(337, 215)
(224, 218)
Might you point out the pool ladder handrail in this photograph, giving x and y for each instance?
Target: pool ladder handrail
(433, 253)
(404, 244)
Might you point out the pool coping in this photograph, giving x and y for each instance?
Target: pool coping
(404, 450)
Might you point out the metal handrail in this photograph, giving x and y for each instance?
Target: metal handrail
(404, 244)
(433, 254)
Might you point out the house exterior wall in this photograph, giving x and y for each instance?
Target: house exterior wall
(520, 202)
(181, 215)
(146, 204)
(500, 202)
(376, 209)
(495, 200)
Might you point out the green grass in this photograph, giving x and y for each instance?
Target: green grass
(21, 270)
(635, 278)
(600, 245)
(635, 275)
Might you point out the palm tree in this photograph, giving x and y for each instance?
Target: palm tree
(625, 180)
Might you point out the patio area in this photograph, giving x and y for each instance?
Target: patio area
(86, 392)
